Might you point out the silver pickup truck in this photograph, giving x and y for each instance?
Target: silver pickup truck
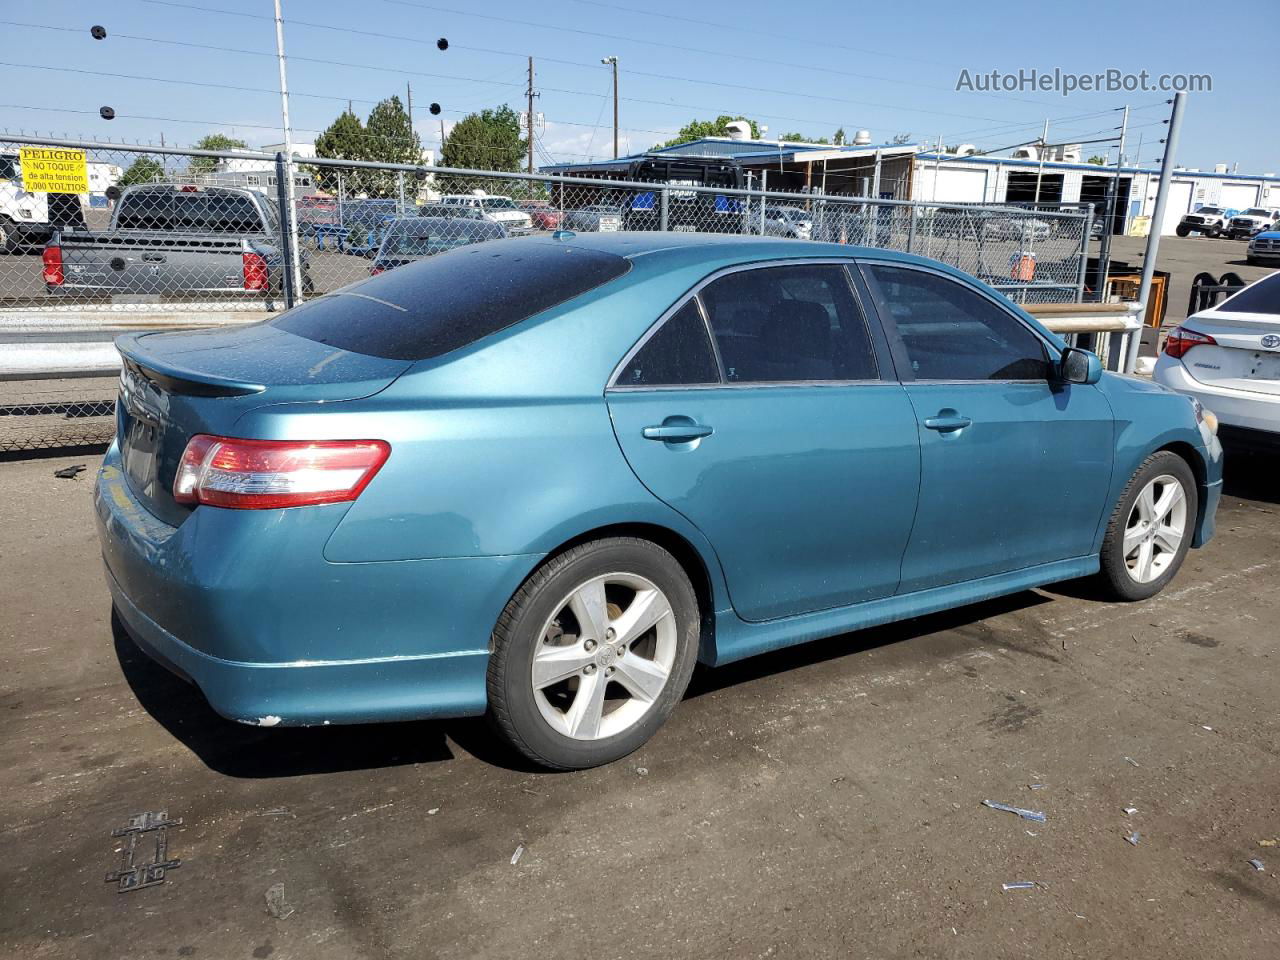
(173, 241)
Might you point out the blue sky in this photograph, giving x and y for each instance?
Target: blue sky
(811, 67)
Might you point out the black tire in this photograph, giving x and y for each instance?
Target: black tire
(513, 708)
(1115, 575)
(1182, 231)
(8, 236)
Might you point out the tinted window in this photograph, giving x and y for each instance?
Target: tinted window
(793, 323)
(145, 209)
(679, 352)
(1262, 297)
(442, 303)
(951, 332)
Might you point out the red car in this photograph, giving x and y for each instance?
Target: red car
(543, 214)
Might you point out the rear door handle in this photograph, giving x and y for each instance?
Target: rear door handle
(947, 422)
(678, 432)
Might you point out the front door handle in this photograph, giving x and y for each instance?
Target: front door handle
(947, 421)
(678, 432)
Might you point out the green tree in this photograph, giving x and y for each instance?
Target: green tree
(1100, 161)
(143, 170)
(214, 141)
(901, 138)
(488, 140)
(342, 140)
(801, 138)
(698, 129)
(389, 138)
(838, 137)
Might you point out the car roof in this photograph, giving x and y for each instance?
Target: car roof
(718, 248)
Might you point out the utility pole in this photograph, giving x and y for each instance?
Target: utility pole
(1157, 220)
(408, 91)
(1108, 219)
(288, 217)
(1044, 145)
(528, 118)
(613, 62)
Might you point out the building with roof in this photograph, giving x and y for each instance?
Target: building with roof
(904, 171)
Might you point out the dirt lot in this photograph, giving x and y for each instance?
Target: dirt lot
(821, 802)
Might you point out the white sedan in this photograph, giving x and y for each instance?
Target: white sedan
(1228, 358)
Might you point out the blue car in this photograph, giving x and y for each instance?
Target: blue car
(541, 478)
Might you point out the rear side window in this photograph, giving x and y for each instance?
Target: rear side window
(440, 304)
(679, 352)
(1262, 297)
(788, 324)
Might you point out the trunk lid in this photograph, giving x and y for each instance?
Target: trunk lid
(175, 385)
(1246, 355)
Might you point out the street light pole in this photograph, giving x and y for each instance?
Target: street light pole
(613, 62)
(288, 218)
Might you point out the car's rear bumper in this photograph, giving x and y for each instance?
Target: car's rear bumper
(244, 605)
(1248, 409)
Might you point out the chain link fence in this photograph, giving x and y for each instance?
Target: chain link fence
(169, 236)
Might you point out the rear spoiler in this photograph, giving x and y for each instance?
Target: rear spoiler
(175, 379)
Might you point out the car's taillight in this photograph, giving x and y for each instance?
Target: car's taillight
(266, 474)
(255, 271)
(1181, 340)
(375, 270)
(52, 259)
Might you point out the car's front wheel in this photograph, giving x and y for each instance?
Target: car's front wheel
(1151, 528)
(1182, 231)
(593, 653)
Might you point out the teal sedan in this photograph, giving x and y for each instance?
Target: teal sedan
(541, 478)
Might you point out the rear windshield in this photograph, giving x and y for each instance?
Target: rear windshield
(1262, 297)
(437, 305)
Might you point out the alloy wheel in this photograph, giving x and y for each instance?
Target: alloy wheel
(604, 657)
(1155, 528)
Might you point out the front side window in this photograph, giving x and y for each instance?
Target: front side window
(951, 332)
(789, 324)
(678, 353)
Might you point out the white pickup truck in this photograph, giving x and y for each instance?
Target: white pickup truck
(25, 220)
(1254, 220)
(1210, 221)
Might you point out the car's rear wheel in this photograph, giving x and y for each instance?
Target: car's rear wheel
(1151, 528)
(593, 653)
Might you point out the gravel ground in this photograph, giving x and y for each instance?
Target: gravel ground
(818, 802)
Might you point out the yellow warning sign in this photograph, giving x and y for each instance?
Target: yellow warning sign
(53, 170)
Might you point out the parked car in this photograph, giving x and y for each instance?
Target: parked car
(786, 221)
(501, 210)
(413, 238)
(174, 240)
(1264, 248)
(1015, 228)
(1210, 221)
(540, 478)
(594, 218)
(1228, 358)
(452, 210)
(544, 215)
(1254, 220)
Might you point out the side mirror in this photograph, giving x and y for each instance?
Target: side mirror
(1079, 366)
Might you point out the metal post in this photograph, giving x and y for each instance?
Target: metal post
(291, 220)
(613, 62)
(1044, 145)
(911, 227)
(1108, 223)
(665, 208)
(764, 185)
(1157, 218)
(529, 119)
(1084, 253)
(288, 238)
(400, 192)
